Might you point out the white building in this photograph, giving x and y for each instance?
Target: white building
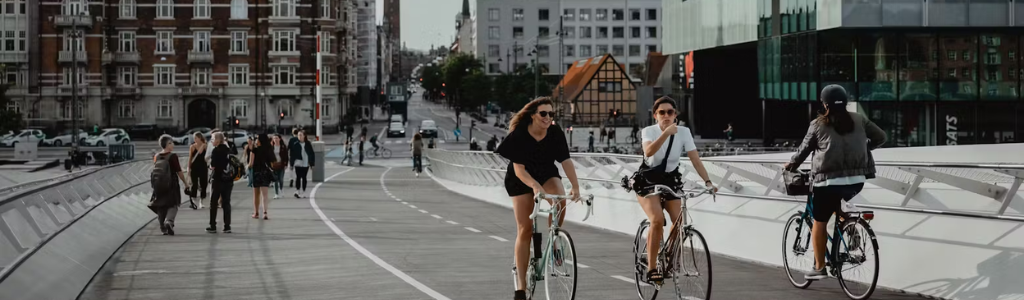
(366, 33)
(506, 31)
(19, 39)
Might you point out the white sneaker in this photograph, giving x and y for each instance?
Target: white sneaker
(848, 207)
(200, 203)
(417, 175)
(277, 196)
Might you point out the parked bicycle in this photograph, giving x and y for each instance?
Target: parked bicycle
(684, 258)
(557, 261)
(849, 247)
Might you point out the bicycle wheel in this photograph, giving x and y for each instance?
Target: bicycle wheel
(797, 255)
(560, 275)
(692, 271)
(385, 153)
(644, 290)
(531, 282)
(858, 249)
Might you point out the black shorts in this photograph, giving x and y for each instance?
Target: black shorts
(516, 187)
(825, 199)
(671, 179)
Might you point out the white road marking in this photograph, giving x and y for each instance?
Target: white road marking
(371, 219)
(398, 199)
(380, 262)
(436, 217)
(406, 203)
(413, 206)
(499, 238)
(423, 211)
(452, 222)
(630, 280)
(472, 229)
(332, 220)
(579, 265)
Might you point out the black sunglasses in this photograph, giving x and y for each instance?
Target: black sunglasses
(666, 112)
(544, 114)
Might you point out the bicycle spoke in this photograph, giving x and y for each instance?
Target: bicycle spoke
(858, 272)
(797, 255)
(644, 290)
(693, 267)
(560, 272)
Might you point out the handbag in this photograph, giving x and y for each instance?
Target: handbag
(797, 183)
(646, 175)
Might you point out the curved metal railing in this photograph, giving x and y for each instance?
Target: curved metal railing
(970, 190)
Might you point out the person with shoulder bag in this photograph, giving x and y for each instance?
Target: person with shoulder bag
(841, 142)
(260, 157)
(166, 191)
(223, 182)
(280, 164)
(301, 159)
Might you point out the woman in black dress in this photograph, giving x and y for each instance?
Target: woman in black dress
(198, 170)
(260, 158)
(532, 147)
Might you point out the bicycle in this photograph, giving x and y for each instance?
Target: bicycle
(846, 224)
(380, 152)
(672, 258)
(562, 256)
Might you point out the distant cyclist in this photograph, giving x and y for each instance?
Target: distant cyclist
(532, 148)
(841, 142)
(373, 142)
(663, 146)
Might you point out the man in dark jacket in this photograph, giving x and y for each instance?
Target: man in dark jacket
(291, 143)
(221, 186)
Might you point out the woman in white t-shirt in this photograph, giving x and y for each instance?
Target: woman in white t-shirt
(663, 144)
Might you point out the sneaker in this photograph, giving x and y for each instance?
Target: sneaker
(163, 228)
(211, 229)
(848, 207)
(417, 175)
(170, 228)
(291, 182)
(816, 275)
(227, 229)
(297, 195)
(277, 196)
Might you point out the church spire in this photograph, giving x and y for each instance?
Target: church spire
(465, 9)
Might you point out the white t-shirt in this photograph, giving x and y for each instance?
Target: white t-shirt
(682, 143)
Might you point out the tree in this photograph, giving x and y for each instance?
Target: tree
(457, 68)
(432, 79)
(476, 90)
(9, 120)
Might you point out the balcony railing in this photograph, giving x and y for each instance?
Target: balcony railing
(66, 90)
(68, 56)
(200, 91)
(121, 57)
(200, 57)
(9, 57)
(126, 90)
(72, 20)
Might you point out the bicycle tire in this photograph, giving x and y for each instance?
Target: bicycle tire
(385, 153)
(548, 276)
(845, 284)
(639, 258)
(531, 282)
(796, 222)
(695, 238)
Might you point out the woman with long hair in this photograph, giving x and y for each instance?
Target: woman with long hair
(532, 148)
(260, 157)
(841, 142)
(417, 153)
(198, 169)
(280, 164)
(302, 160)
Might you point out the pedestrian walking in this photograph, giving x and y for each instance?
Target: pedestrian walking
(362, 141)
(166, 190)
(198, 170)
(291, 143)
(301, 159)
(280, 164)
(222, 183)
(260, 158)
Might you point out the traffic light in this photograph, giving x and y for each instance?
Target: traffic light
(442, 84)
(421, 79)
(236, 121)
(472, 123)
(282, 116)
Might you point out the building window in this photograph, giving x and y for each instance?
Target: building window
(493, 14)
(652, 14)
(284, 75)
(570, 50)
(585, 51)
(284, 40)
(164, 76)
(586, 32)
(584, 14)
(325, 110)
(543, 14)
(618, 50)
(164, 42)
(951, 55)
(13, 7)
(652, 48)
(543, 51)
(634, 14)
(618, 32)
(201, 77)
(240, 108)
(239, 74)
(569, 32)
(634, 32)
(494, 32)
(493, 51)
(634, 50)
(14, 40)
(284, 8)
(202, 41)
(1012, 55)
(517, 14)
(325, 75)
(201, 9)
(618, 15)
(493, 68)
(127, 9)
(126, 109)
(602, 49)
(967, 55)
(16, 77)
(951, 73)
(70, 43)
(325, 42)
(14, 107)
(74, 7)
(127, 41)
(164, 9)
(652, 32)
(66, 110)
(325, 9)
(164, 109)
(601, 14)
(609, 86)
(602, 32)
(517, 32)
(240, 9)
(68, 76)
(569, 14)
(543, 31)
(127, 76)
(284, 108)
(239, 42)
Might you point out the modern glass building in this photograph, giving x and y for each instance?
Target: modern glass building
(937, 72)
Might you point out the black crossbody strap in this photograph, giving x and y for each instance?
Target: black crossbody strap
(668, 150)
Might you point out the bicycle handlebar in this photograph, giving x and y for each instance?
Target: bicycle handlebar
(587, 199)
(686, 194)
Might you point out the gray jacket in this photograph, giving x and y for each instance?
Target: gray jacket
(840, 155)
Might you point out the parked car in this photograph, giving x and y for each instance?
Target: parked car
(35, 136)
(109, 136)
(428, 129)
(6, 135)
(147, 132)
(185, 138)
(396, 129)
(65, 138)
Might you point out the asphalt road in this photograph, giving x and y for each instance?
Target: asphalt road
(382, 233)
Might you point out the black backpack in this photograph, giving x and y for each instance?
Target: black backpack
(161, 179)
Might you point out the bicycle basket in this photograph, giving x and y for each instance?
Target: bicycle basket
(797, 183)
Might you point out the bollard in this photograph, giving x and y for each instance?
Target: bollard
(318, 165)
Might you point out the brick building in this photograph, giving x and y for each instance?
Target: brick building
(192, 63)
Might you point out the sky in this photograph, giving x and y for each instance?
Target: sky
(426, 22)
